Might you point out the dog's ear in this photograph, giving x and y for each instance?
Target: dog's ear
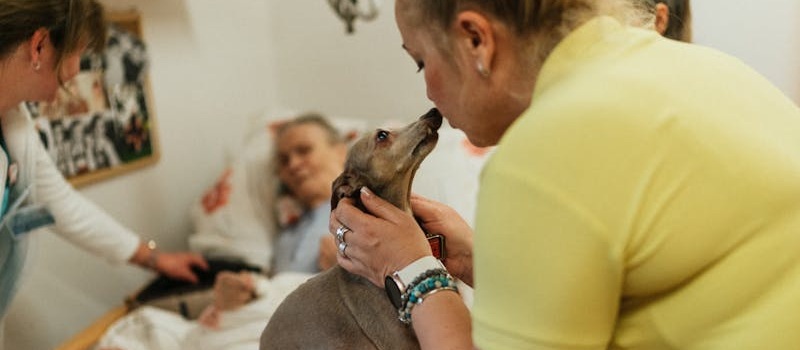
(341, 189)
(347, 185)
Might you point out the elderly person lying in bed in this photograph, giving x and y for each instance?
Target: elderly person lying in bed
(309, 155)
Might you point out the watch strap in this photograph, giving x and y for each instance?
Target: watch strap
(407, 274)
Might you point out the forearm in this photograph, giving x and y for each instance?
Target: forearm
(442, 321)
(78, 220)
(145, 255)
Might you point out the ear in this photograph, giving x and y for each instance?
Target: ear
(37, 44)
(348, 185)
(662, 18)
(342, 188)
(476, 36)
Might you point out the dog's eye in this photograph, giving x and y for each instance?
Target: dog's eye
(382, 135)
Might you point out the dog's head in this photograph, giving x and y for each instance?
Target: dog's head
(385, 161)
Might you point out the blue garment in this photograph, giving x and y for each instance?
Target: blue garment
(6, 196)
(17, 222)
(18, 217)
(297, 247)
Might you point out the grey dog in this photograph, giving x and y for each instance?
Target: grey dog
(339, 310)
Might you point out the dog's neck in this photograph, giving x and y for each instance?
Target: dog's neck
(398, 193)
(395, 195)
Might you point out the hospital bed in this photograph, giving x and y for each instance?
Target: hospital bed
(449, 174)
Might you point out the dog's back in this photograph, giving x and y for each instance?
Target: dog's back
(337, 310)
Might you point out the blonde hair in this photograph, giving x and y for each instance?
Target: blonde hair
(540, 24)
(313, 118)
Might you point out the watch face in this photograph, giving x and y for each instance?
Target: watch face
(393, 292)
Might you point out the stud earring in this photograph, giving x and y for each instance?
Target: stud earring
(484, 72)
(37, 65)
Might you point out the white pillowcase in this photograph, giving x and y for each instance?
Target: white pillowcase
(238, 217)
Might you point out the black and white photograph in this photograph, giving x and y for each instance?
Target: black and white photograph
(100, 122)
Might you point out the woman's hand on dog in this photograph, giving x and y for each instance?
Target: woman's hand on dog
(380, 242)
(437, 218)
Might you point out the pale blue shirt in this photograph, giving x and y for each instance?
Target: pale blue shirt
(297, 247)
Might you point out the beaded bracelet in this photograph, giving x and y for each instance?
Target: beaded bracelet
(423, 276)
(430, 282)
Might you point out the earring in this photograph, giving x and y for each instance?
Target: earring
(37, 65)
(482, 70)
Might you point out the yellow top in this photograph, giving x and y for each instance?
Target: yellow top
(649, 198)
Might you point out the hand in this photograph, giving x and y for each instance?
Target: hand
(179, 265)
(380, 242)
(437, 218)
(327, 252)
(233, 289)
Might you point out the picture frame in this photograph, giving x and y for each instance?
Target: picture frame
(102, 123)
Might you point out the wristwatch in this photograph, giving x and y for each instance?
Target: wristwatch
(396, 283)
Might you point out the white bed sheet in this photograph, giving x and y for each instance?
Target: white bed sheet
(149, 328)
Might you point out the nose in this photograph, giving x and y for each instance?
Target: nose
(293, 162)
(433, 118)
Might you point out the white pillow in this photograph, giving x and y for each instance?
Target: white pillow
(233, 218)
(240, 215)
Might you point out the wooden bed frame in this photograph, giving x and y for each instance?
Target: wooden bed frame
(90, 335)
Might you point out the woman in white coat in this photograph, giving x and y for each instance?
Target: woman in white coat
(40, 48)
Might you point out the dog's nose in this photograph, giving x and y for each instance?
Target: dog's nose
(433, 118)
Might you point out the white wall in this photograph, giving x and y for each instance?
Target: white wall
(365, 75)
(212, 69)
(763, 34)
(215, 64)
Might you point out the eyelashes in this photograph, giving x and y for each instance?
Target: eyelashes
(420, 66)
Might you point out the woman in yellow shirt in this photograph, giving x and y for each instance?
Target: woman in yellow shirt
(644, 193)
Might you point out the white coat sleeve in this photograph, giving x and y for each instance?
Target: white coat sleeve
(77, 219)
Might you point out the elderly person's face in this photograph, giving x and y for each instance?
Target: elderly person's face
(308, 162)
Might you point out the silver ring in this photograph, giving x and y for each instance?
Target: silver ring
(342, 247)
(340, 234)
